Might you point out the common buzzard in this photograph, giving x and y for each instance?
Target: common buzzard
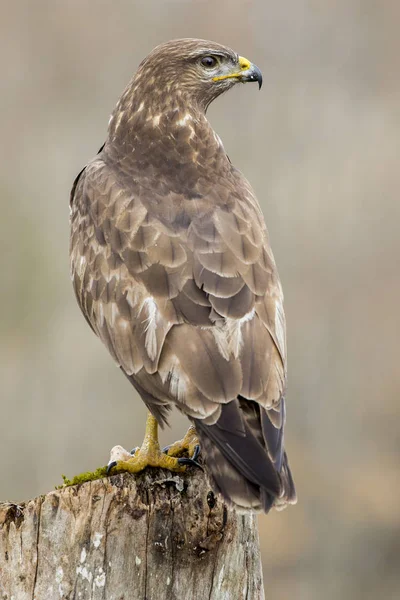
(173, 270)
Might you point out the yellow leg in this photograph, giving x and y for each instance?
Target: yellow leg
(148, 455)
(189, 444)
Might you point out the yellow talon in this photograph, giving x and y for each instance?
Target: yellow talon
(148, 455)
(188, 444)
(141, 460)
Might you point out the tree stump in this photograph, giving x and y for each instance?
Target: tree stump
(156, 536)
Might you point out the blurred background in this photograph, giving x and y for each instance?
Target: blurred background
(320, 144)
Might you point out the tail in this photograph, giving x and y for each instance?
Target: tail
(245, 457)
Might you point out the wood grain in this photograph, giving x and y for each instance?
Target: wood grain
(156, 536)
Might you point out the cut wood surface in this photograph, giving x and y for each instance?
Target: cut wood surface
(156, 536)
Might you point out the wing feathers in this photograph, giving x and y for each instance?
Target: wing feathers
(167, 251)
(211, 283)
(216, 378)
(256, 359)
(231, 231)
(235, 306)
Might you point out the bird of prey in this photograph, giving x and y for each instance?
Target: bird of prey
(173, 270)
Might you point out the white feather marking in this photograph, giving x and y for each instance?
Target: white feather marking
(192, 134)
(118, 120)
(248, 316)
(82, 263)
(141, 106)
(280, 326)
(220, 337)
(151, 326)
(236, 338)
(101, 313)
(228, 337)
(132, 298)
(155, 120)
(218, 139)
(182, 122)
(172, 372)
(177, 385)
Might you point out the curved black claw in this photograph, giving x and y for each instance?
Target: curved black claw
(134, 450)
(196, 452)
(110, 466)
(189, 461)
(192, 460)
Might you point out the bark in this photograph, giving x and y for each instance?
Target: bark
(156, 536)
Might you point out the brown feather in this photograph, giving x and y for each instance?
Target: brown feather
(238, 242)
(214, 284)
(236, 306)
(218, 379)
(255, 359)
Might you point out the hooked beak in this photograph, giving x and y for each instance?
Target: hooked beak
(252, 74)
(248, 72)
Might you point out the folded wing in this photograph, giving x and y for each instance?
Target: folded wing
(185, 295)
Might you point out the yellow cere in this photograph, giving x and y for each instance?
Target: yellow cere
(244, 65)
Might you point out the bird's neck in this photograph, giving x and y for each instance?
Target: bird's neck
(140, 109)
(162, 129)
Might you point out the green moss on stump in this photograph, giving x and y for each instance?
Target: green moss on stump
(83, 477)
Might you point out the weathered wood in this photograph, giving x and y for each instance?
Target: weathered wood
(156, 536)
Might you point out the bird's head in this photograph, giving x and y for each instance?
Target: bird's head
(198, 69)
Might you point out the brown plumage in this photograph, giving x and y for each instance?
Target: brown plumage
(173, 270)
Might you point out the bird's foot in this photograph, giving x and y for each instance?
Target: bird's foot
(148, 455)
(145, 456)
(188, 445)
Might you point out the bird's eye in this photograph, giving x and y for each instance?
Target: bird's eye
(209, 62)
